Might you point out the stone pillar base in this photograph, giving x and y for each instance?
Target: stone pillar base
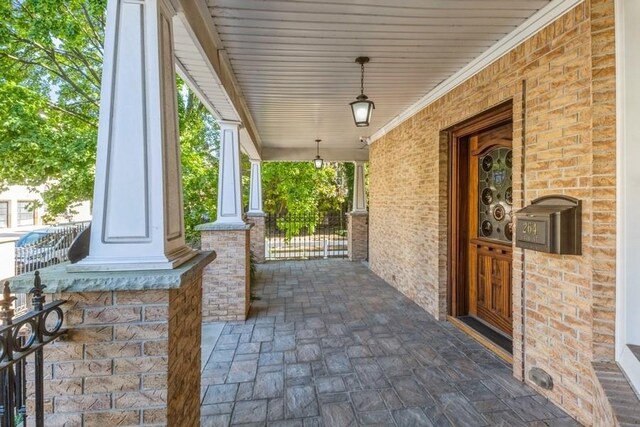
(257, 236)
(358, 236)
(225, 283)
(131, 355)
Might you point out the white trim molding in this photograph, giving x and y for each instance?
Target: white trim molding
(359, 190)
(229, 181)
(531, 26)
(628, 189)
(255, 189)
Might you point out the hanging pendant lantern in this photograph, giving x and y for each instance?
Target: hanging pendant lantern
(318, 162)
(362, 107)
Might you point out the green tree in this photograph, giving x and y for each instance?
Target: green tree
(298, 188)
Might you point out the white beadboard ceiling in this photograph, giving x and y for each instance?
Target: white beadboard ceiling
(294, 60)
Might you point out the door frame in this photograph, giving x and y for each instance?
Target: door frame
(457, 262)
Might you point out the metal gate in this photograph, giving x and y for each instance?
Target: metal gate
(306, 236)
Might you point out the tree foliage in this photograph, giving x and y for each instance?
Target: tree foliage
(299, 189)
(50, 61)
(50, 68)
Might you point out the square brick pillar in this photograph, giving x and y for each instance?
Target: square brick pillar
(257, 235)
(225, 283)
(131, 355)
(358, 235)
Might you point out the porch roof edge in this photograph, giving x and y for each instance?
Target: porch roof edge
(196, 19)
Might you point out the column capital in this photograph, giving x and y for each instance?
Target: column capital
(230, 123)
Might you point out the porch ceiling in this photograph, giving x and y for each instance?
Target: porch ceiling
(294, 61)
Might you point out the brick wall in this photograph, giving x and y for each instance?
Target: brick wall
(569, 148)
(357, 236)
(225, 290)
(129, 358)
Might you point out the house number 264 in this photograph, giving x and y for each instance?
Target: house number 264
(530, 228)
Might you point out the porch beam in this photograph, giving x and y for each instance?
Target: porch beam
(308, 154)
(138, 219)
(194, 18)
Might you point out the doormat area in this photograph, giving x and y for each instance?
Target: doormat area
(496, 337)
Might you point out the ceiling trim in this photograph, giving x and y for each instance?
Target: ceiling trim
(535, 23)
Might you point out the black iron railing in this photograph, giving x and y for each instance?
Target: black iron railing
(306, 236)
(42, 248)
(22, 341)
(47, 246)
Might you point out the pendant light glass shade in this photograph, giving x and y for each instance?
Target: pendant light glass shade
(318, 162)
(362, 108)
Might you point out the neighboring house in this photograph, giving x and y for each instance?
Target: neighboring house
(22, 209)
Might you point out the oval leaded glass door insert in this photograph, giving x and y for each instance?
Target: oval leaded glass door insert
(495, 195)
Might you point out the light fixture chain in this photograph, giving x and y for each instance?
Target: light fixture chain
(361, 79)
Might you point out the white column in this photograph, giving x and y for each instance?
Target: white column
(255, 191)
(229, 184)
(359, 193)
(138, 219)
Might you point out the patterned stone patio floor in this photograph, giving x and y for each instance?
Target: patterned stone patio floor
(328, 343)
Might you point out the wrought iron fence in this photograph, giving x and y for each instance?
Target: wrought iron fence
(306, 236)
(22, 341)
(47, 246)
(42, 248)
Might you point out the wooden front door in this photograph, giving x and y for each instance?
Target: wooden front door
(490, 226)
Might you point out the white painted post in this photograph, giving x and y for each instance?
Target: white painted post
(138, 221)
(229, 184)
(255, 191)
(359, 193)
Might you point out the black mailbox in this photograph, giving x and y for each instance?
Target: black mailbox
(551, 224)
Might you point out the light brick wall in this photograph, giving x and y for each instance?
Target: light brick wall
(129, 358)
(357, 236)
(257, 236)
(225, 291)
(569, 149)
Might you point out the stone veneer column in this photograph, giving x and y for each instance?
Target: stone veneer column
(357, 235)
(257, 235)
(131, 355)
(226, 283)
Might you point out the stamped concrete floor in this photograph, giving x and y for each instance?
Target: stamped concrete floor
(329, 343)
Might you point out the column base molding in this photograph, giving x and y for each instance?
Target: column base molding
(172, 260)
